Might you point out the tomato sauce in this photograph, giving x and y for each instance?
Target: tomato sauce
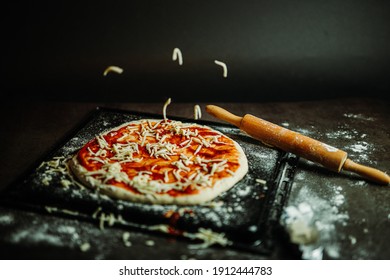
(161, 168)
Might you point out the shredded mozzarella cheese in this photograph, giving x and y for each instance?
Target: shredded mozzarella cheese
(197, 112)
(165, 108)
(114, 69)
(177, 55)
(208, 237)
(261, 181)
(187, 167)
(224, 67)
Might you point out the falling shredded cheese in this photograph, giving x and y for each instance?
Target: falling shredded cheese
(197, 112)
(114, 69)
(177, 55)
(224, 67)
(165, 108)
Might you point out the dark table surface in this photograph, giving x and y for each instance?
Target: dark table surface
(339, 216)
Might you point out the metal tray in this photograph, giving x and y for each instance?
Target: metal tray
(247, 215)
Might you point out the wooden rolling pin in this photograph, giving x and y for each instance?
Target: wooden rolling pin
(303, 146)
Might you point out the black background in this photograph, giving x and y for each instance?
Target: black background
(274, 50)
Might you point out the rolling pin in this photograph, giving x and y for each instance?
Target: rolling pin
(294, 142)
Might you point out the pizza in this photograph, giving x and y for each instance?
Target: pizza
(160, 162)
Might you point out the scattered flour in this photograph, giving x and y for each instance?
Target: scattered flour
(244, 191)
(312, 222)
(38, 234)
(359, 147)
(286, 124)
(85, 247)
(70, 231)
(125, 239)
(6, 220)
(253, 228)
(339, 200)
(352, 239)
(149, 243)
(306, 132)
(358, 116)
(299, 224)
(361, 150)
(343, 133)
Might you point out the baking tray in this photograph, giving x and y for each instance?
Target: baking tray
(246, 216)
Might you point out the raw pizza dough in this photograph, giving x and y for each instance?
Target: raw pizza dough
(161, 162)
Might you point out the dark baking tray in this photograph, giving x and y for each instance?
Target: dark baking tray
(248, 214)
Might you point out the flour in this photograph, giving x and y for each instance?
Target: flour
(358, 116)
(6, 220)
(253, 228)
(356, 147)
(306, 132)
(343, 133)
(312, 222)
(285, 124)
(359, 147)
(69, 231)
(37, 234)
(361, 151)
(352, 239)
(339, 199)
(150, 243)
(244, 191)
(66, 229)
(85, 247)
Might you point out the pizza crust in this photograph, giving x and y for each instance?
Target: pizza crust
(202, 195)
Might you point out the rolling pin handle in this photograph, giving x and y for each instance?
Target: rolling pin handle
(370, 173)
(224, 115)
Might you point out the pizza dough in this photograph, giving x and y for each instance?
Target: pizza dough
(161, 162)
